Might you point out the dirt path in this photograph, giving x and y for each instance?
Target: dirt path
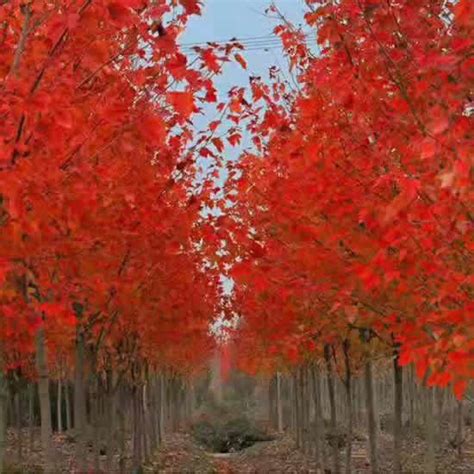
(181, 454)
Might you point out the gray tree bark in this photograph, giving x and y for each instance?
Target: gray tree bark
(44, 398)
(370, 408)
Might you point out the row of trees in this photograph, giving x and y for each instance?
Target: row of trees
(102, 285)
(351, 237)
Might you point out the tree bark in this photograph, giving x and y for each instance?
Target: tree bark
(67, 397)
(3, 417)
(19, 426)
(430, 460)
(44, 398)
(31, 414)
(332, 403)
(348, 386)
(460, 427)
(319, 431)
(279, 403)
(398, 407)
(59, 406)
(122, 434)
(296, 391)
(80, 403)
(370, 407)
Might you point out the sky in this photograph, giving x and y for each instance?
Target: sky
(223, 20)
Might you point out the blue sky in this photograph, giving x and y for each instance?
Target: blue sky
(225, 19)
(222, 20)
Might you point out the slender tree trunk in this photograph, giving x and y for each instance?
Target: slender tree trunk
(31, 415)
(398, 408)
(95, 415)
(304, 409)
(67, 397)
(279, 403)
(348, 385)
(122, 434)
(370, 407)
(144, 422)
(161, 416)
(332, 402)
(472, 407)
(296, 391)
(411, 395)
(59, 406)
(111, 407)
(430, 459)
(80, 404)
(137, 430)
(460, 427)
(44, 398)
(319, 431)
(3, 417)
(19, 427)
(271, 402)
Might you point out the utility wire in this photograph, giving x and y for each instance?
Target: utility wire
(256, 47)
(256, 40)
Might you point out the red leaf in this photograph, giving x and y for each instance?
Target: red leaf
(119, 12)
(183, 102)
(192, 7)
(218, 143)
(153, 129)
(210, 60)
(234, 139)
(239, 58)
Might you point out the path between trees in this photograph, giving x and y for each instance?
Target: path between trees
(180, 453)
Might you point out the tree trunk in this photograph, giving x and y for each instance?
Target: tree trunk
(296, 391)
(319, 431)
(67, 397)
(348, 385)
(137, 428)
(161, 416)
(430, 459)
(31, 415)
(19, 427)
(80, 404)
(95, 421)
(398, 407)
(279, 403)
(144, 422)
(122, 434)
(44, 398)
(460, 427)
(332, 403)
(59, 406)
(3, 417)
(370, 407)
(111, 407)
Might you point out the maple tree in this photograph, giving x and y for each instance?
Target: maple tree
(99, 222)
(354, 213)
(347, 229)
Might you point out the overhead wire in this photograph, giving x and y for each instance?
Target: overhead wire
(264, 43)
(256, 41)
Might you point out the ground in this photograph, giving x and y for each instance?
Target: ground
(182, 454)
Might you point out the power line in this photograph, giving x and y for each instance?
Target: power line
(273, 44)
(230, 40)
(255, 40)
